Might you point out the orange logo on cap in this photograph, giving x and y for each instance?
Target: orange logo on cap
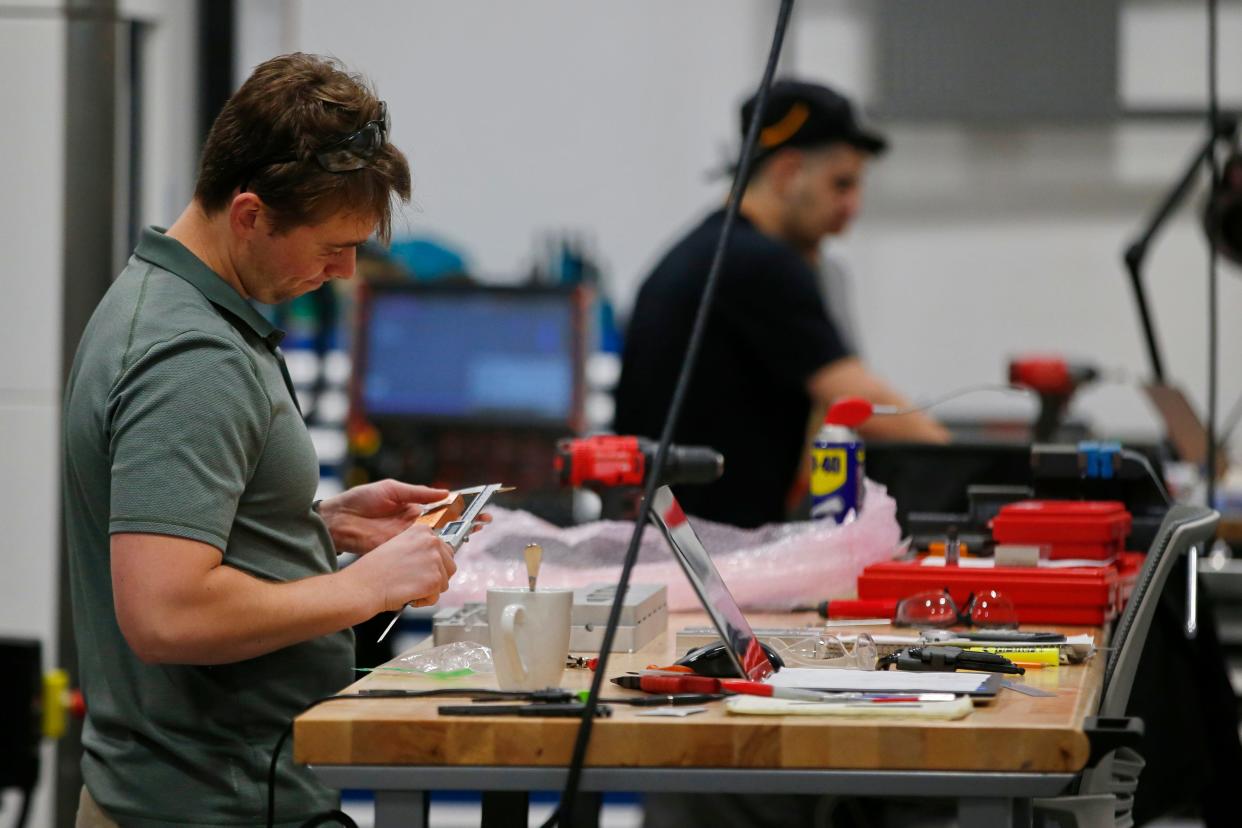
(783, 130)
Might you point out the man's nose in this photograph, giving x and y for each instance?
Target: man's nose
(344, 264)
(851, 204)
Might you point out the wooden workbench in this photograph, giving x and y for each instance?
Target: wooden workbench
(1013, 733)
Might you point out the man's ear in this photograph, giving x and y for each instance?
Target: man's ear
(245, 215)
(784, 166)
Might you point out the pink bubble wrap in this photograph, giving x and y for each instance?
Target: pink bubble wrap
(774, 567)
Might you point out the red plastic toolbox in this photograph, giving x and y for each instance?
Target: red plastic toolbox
(1088, 595)
(1072, 528)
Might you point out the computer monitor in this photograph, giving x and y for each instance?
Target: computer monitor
(471, 354)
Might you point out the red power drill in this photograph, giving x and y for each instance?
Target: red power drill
(1055, 380)
(616, 466)
(608, 461)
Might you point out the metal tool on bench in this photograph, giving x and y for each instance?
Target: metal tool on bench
(931, 658)
(453, 521)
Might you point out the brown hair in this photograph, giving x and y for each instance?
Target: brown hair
(266, 137)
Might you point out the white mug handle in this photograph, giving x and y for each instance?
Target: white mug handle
(508, 640)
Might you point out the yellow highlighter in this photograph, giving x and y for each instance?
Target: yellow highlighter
(1025, 656)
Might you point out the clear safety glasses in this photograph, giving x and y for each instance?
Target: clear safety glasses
(987, 609)
(830, 650)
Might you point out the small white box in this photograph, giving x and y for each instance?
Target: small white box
(644, 616)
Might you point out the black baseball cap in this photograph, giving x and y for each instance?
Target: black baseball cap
(803, 114)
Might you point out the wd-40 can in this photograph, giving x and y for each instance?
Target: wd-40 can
(837, 472)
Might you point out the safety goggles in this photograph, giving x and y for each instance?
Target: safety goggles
(987, 609)
(355, 150)
(830, 650)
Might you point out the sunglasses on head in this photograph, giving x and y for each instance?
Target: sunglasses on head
(355, 150)
(345, 154)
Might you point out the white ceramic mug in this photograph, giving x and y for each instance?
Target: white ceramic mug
(530, 636)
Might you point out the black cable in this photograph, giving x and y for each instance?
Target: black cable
(24, 813)
(1141, 459)
(338, 816)
(564, 810)
(330, 818)
(1213, 337)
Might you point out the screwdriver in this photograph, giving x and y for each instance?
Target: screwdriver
(861, 608)
(705, 684)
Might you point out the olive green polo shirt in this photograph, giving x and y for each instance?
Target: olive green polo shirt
(180, 420)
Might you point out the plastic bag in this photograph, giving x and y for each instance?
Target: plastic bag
(775, 567)
(458, 658)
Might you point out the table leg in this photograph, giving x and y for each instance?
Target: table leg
(586, 809)
(983, 812)
(401, 809)
(505, 809)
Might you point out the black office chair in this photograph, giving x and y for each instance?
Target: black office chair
(1105, 791)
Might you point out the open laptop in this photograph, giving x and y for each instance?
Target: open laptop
(740, 641)
(743, 645)
(1186, 431)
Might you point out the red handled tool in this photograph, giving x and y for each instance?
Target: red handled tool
(671, 685)
(862, 608)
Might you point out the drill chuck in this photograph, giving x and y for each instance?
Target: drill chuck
(690, 464)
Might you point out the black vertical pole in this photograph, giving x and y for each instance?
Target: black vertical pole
(92, 35)
(216, 27)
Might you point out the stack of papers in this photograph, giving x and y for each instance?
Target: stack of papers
(761, 706)
(839, 679)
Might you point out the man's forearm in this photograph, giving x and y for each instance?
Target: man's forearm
(850, 378)
(234, 616)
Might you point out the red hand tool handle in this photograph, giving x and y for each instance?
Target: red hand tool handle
(871, 608)
(679, 684)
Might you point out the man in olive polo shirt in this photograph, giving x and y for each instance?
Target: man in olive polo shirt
(208, 607)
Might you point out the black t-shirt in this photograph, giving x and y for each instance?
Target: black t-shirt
(767, 334)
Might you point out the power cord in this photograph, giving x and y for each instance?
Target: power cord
(563, 814)
(1001, 388)
(23, 813)
(1213, 335)
(1141, 459)
(1192, 555)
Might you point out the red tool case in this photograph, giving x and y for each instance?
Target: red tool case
(1072, 528)
(1090, 596)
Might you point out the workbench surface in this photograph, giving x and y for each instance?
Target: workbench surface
(1013, 733)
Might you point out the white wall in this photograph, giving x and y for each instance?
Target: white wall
(978, 243)
(30, 336)
(170, 114)
(975, 244)
(31, 215)
(547, 114)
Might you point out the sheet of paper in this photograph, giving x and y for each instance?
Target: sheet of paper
(990, 563)
(841, 679)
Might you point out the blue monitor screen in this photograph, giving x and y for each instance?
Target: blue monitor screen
(470, 354)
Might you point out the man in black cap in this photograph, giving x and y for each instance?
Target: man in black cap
(772, 354)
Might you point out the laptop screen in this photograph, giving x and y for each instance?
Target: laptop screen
(1182, 425)
(740, 641)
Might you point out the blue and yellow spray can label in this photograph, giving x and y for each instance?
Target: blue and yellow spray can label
(837, 471)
